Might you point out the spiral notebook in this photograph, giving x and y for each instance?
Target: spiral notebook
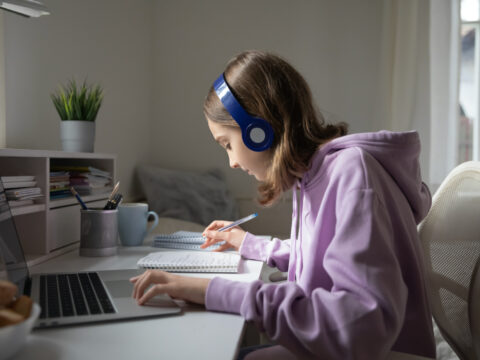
(188, 240)
(183, 261)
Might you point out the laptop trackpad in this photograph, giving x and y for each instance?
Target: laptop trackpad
(124, 288)
(119, 288)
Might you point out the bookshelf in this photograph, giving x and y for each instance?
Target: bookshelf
(51, 227)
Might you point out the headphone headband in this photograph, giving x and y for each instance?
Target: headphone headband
(257, 134)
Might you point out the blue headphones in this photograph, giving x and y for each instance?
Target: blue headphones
(257, 134)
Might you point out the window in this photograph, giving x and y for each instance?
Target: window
(468, 131)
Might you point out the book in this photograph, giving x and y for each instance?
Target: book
(15, 193)
(82, 169)
(188, 240)
(59, 184)
(60, 193)
(6, 179)
(25, 197)
(186, 261)
(19, 184)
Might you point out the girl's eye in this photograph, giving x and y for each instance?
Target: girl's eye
(228, 147)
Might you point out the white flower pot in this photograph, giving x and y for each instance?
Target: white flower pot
(77, 135)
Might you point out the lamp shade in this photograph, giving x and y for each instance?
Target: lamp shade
(27, 8)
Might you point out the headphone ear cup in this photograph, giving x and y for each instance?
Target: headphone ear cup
(257, 135)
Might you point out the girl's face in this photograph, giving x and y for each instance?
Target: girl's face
(230, 138)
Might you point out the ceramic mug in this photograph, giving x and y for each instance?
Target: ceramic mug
(132, 223)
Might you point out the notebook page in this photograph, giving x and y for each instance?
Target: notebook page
(180, 261)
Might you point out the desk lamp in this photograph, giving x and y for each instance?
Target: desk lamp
(27, 8)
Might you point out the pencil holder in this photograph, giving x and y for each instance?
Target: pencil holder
(98, 232)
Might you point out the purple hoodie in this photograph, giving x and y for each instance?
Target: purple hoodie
(355, 268)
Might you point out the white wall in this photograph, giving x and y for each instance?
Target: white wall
(334, 44)
(107, 42)
(157, 59)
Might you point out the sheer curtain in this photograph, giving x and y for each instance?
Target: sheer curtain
(445, 55)
(419, 79)
(3, 129)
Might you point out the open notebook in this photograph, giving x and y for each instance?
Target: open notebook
(184, 261)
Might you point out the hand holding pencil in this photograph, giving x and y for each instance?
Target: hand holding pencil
(227, 231)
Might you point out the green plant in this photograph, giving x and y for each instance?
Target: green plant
(77, 103)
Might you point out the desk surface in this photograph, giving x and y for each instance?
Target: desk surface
(194, 334)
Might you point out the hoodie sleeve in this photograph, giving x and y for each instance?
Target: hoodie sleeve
(358, 318)
(275, 252)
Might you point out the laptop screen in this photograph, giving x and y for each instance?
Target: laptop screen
(10, 248)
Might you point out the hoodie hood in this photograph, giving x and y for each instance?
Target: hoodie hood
(398, 154)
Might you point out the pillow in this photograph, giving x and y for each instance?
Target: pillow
(191, 196)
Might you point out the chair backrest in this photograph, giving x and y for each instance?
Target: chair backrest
(474, 309)
(450, 236)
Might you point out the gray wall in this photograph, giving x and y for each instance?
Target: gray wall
(157, 59)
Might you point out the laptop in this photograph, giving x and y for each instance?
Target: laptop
(74, 297)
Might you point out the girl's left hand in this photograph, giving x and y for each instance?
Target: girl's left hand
(178, 287)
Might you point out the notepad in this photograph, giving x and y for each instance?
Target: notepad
(175, 261)
(188, 240)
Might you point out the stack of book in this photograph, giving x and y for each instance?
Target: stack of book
(21, 190)
(59, 184)
(86, 180)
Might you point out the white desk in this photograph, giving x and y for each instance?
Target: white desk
(194, 334)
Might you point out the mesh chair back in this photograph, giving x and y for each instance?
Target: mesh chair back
(474, 309)
(450, 236)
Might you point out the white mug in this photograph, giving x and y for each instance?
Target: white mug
(132, 223)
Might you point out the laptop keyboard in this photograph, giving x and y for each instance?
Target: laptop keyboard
(73, 294)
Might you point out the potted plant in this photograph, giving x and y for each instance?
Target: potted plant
(78, 108)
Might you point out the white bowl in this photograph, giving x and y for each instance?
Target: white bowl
(12, 337)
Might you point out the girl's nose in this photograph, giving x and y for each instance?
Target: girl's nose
(233, 163)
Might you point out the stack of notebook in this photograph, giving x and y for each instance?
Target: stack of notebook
(21, 190)
(187, 240)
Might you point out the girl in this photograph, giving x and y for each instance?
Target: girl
(355, 286)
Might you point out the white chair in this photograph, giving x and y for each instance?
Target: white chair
(474, 309)
(450, 236)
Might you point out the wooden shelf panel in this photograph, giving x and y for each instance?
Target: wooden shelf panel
(73, 201)
(28, 209)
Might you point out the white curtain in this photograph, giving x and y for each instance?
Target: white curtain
(419, 79)
(3, 129)
(445, 55)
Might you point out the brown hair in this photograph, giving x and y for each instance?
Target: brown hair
(270, 88)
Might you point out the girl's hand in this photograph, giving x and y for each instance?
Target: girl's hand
(233, 237)
(178, 287)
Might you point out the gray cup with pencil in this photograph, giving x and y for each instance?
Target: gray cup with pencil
(99, 226)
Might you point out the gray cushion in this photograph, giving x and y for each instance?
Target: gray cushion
(192, 196)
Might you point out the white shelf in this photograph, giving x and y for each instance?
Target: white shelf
(56, 154)
(27, 209)
(73, 201)
(51, 225)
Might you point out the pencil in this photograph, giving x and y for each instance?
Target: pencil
(84, 207)
(114, 191)
(238, 222)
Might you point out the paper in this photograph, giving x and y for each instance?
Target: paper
(182, 261)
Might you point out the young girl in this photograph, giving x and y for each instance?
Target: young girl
(355, 286)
